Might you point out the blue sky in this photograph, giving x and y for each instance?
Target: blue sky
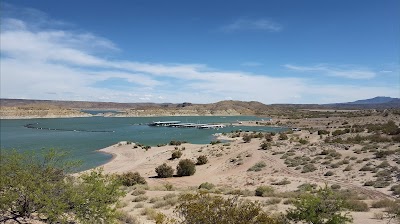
(284, 51)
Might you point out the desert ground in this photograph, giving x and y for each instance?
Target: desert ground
(358, 169)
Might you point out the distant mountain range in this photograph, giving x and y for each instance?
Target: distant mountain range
(241, 107)
(376, 100)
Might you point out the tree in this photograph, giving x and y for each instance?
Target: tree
(37, 187)
(164, 171)
(203, 208)
(186, 167)
(323, 207)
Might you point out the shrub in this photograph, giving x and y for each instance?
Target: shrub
(215, 142)
(283, 136)
(36, 186)
(395, 189)
(186, 167)
(258, 166)
(207, 209)
(323, 207)
(164, 171)
(201, 160)
(356, 205)
(265, 145)
(323, 132)
(176, 154)
(207, 186)
(264, 191)
(329, 173)
(247, 138)
(303, 141)
(308, 168)
(282, 182)
(130, 179)
(336, 186)
(384, 203)
(174, 142)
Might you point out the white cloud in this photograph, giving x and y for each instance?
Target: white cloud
(352, 73)
(67, 65)
(255, 24)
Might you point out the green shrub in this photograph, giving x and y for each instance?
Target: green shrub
(164, 171)
(247, 138)
(383, 203)
(37, 186)
(176, 154)
(264, 191)
(323, 207)
(265, 145)
(186, 167)
(207, 186)
(283, 136)
(356, 205)
(258, 166)
(130, 179)
(309, 168)
(201, 160)
(207, 209)
(282, 182)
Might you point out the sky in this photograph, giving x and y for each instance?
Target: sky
(286, 51)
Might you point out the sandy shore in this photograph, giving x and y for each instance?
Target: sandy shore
(228, 169)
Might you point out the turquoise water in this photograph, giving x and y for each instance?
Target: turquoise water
(93, 133)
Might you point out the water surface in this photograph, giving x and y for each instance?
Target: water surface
(81, 137)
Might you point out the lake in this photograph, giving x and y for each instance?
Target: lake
(82, 137)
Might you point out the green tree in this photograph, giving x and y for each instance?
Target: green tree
(37, 186)
(323, 207)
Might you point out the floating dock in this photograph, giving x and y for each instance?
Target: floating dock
(178, 124)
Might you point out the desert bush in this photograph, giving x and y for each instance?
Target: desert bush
(36, 186)
(207, 186)
(268, 137)
(176, 154)
(283, 136)
(383, 203)
(130, 179)
(258, 166)
(247, 138)
(273, 201)
(329, 173)
(186, 167)
(323, 132)
(207, 209)
(396, 189)
(140, 198)
(356, 205)
(164, 171)
(282, 182)
(265, 145)
(215, 142)
(126, 218)
(174, 142)
(323, 207)
(201, 160)
(264, 191)
(335, 186)
(303, 141)
(308, 168)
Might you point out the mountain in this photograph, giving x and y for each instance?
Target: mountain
(375, 100)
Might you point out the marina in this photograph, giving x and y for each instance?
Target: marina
(178, 124)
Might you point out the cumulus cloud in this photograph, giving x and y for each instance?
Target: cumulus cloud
(64, 64)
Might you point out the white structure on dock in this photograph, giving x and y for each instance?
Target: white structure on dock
(164, 123)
